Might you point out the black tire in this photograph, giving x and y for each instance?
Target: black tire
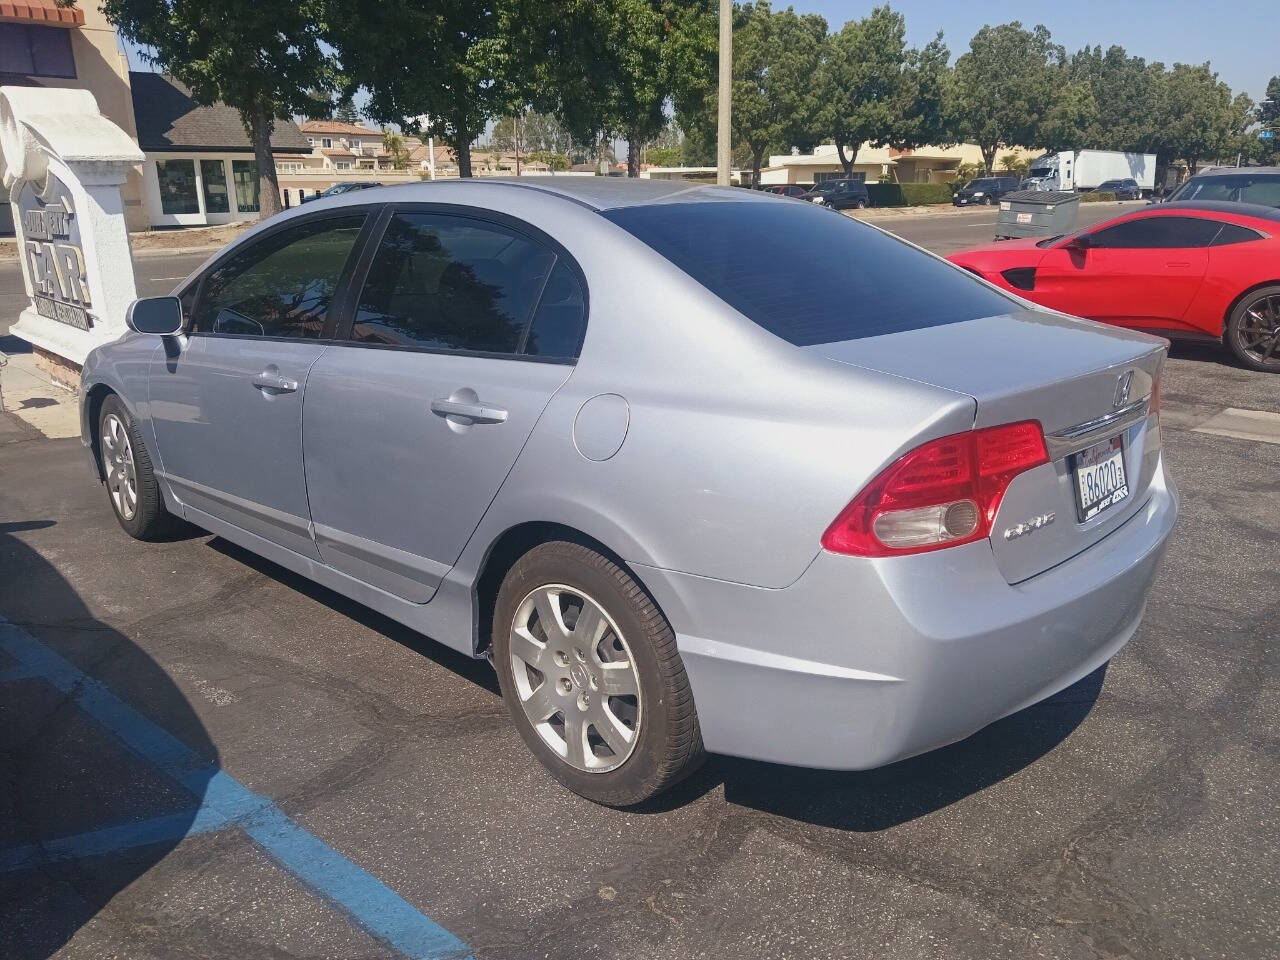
(150, 520)
(861, 204)
(1242, 330)
(668, 743)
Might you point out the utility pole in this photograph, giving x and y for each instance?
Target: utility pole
(724, 133)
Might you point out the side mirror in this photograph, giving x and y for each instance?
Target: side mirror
(158, 316)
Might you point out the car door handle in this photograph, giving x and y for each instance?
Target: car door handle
(475, 412)
(1177, 263)
(269, 380)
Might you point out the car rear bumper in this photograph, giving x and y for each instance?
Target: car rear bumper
(863, 662)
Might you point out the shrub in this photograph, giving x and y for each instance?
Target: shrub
(1096, 196)
(886, 194)
(920, 194)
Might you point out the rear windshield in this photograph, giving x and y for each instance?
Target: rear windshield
(806, 274)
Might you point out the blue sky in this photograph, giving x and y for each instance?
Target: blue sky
(1172, 31)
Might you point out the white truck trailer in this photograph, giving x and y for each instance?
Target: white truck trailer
(1085, 169)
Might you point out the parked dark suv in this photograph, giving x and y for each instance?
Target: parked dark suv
(1259, 185)
(1125, 189)
(841, 194)
(984, 190)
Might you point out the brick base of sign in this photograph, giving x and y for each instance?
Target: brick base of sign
(60, 370)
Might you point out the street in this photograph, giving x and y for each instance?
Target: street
(1133, 815)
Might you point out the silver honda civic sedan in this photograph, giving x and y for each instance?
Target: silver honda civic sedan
(696, 469)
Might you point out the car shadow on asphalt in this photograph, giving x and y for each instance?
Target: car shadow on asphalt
(477, 671)
(63, 775)
(856, 801)
(871, 800)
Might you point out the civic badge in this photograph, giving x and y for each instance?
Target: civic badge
(1123, 383)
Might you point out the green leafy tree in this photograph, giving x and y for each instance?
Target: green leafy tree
(1071, 114)
(775, 59)
(442, 59)
(1014, 163)
(1268, 114)
(345, 111)
(554, 161)
(1004, 87)
(266, 59)
(874, 89)
(393, 143)
(672, 156)
(1198, 117)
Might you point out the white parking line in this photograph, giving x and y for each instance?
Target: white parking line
(1260, 425)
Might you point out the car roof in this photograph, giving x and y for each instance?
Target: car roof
(1238, 171)
(1255, 210)
(598, 193)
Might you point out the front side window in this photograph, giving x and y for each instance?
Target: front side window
(281, 285)
(36, 51)
(245, 175)
(443, 282)
(810, 277)
(177, 186)
(1157, 232)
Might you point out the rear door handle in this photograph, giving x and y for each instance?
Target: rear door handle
(476, 412)
(270, 380)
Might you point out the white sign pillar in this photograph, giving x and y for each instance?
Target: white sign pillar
(61, 166)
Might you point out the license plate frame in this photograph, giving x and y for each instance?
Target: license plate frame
(1102, 463)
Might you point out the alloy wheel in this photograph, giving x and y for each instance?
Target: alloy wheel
(576, 678)
(1259, 331)
(117, 459)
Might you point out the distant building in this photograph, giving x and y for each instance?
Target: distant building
(928, 164)
(200, 167)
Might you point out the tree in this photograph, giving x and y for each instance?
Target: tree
(441, 59)
(1197, 116)
(1004, 87)
(265, 59)
(393, 143)
(345, 111)
(775, 59)
(1268, 114)
(873, 89)
(665, 156)
(1014, 163)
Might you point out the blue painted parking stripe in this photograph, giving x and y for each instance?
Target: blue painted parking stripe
(225, 801)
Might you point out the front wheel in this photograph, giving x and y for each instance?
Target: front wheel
(591, 676)
(1253, 330)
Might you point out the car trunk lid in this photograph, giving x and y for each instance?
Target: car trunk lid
(1087, 384)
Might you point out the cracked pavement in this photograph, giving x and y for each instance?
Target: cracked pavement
(1133, 815)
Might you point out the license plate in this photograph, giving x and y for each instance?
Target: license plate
(1024, 218)
(1100, 477)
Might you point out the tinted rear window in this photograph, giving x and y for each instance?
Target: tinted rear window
(806, 274)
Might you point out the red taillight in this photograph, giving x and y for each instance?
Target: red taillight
(939, 495)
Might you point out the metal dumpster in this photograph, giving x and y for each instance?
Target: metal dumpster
(1037, 213)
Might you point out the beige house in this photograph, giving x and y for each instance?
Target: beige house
(45, 45)
(929, 164)
(345, 146)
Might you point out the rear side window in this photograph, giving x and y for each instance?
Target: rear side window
(560, 321)
(808, 275)
(281, 285)
(1157, 232)
(1233, 233)
(444, 282)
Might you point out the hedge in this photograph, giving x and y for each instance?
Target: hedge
(908, 194)
(1095, 196)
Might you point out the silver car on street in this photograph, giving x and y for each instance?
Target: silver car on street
(697, 469)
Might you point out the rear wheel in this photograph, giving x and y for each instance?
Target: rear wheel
(591, 676)
(131, 482)
(1253, 330)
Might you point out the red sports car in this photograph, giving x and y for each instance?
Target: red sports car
(1201, 269)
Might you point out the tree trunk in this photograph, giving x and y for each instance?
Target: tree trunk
(261, 123)
(757, 158)
(633, 155)
(462, 147)
(846, 162)
(989, 157)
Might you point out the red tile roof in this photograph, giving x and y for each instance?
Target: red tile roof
(336, 127)
(41, 11)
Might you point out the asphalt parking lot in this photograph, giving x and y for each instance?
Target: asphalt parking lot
(202, 755)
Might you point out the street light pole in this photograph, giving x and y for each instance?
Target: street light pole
(724, 137)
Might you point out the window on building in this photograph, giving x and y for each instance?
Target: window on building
(177, 186)
(344, 164)
(327, 143)
(213, 174)
(36, 51)
(311, 140)
(245, 175)
(280, 286)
